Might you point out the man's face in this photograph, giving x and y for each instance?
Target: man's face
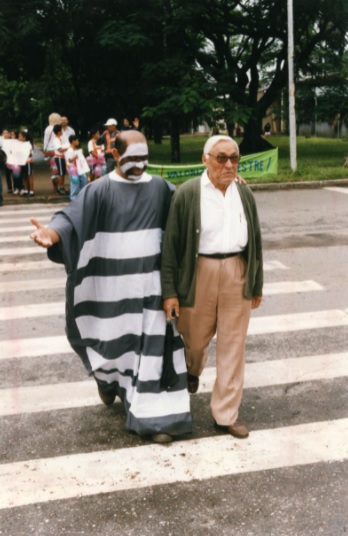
(111, 128)
(64, 122)
(134, 161)
(221, 174)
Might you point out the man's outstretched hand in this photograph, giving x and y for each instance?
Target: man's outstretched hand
(42, 235)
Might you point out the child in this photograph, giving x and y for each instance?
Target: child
(77, 167)
(96, 157)
(59, 150)
(27, 169)
(8, 172)
(15, 170)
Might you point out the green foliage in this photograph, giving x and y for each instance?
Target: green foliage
(171, 62)
(318, 158)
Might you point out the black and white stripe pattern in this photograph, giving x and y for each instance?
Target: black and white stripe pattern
(69, 467)
(115, 319)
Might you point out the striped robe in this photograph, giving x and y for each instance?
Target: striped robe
(110, 244)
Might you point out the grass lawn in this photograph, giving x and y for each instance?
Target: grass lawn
(317, 158)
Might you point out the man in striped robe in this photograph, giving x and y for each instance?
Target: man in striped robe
(109, 239)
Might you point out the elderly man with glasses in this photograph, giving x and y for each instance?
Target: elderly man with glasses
(212, 274)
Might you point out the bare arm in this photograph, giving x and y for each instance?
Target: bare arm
(44, 236)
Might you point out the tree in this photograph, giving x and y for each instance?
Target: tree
(172, 89)
(243, 46)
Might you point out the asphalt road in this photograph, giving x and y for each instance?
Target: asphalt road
(69, 467)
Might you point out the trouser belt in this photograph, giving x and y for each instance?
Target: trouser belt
(219, 255)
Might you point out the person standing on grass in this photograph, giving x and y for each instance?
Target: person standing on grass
(212, 274)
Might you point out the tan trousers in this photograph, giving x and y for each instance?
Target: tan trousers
(220, 308)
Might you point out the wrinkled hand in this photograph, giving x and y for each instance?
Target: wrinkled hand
(41, 235)
(256, 302)
(241, 180)
(170, 304)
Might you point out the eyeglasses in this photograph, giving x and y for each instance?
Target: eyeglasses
(222, 158)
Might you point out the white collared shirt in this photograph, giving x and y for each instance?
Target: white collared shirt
(69, 131)
(223, 223)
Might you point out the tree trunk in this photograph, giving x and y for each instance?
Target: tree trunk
(253, 142)
(175, 141)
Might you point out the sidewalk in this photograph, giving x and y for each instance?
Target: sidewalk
(44, 192)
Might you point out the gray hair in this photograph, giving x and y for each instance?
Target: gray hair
(213, 140)
(54, 119)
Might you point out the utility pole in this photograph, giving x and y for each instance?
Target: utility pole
(292, 116)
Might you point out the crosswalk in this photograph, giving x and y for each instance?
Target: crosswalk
(31, 339)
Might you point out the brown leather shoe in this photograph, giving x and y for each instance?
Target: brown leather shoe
(238, 429)
(161, 438)
(192, 383)
(108, 397)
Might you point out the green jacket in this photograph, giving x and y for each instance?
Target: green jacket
(181, 242)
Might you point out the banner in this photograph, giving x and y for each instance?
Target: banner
(252, 166)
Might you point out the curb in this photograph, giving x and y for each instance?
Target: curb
(37, 198)
(10, 199)
(297, 185)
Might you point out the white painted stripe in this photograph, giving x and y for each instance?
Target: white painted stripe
(21, 400)
(44, 265)
(274, 265)
(7, 230)
(36, 399)
(127, 245)
(337, 189)
(24, 219)
(116, 288)
(33, 209)
(78, 475)
(32, 311)
(15, 239)
(258, 326)
(285, 371)
(15, 252)
(297, 321)
(34, 347)
(128, 288)
(30, 266)
(35, 284)
(289, 287)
